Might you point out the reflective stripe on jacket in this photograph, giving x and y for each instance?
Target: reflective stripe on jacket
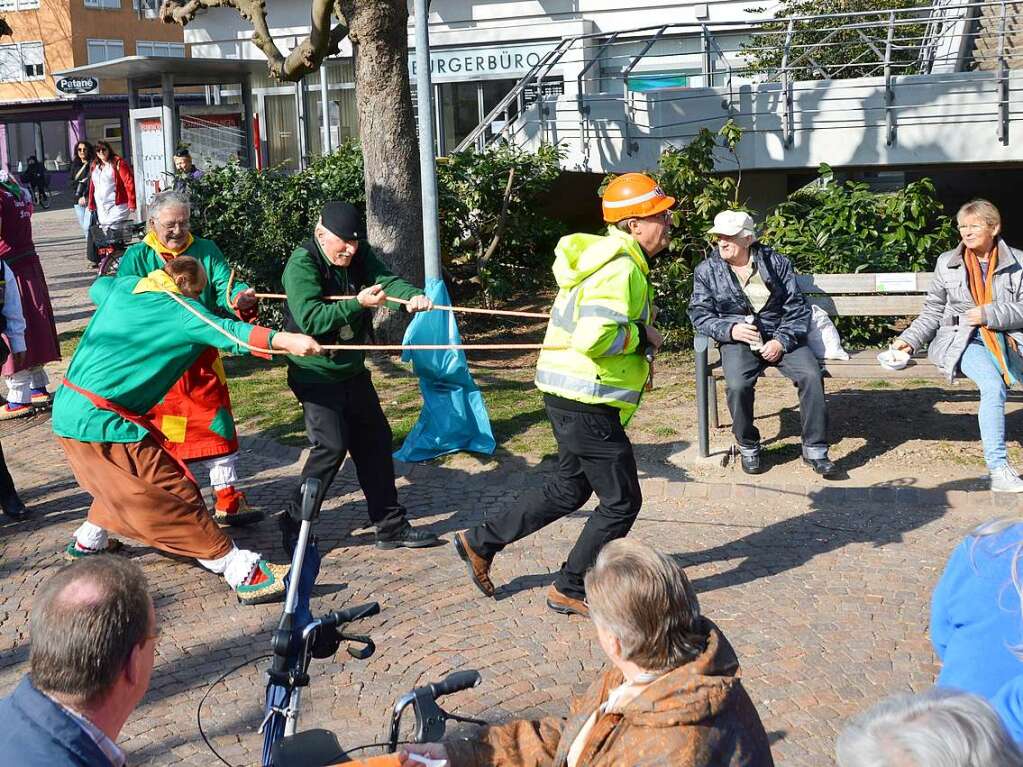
(604, 295)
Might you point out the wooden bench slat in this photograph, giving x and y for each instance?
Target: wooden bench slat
(872, 306)
(874, 283)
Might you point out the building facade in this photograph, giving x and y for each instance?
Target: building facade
(479, 51)
(43, 115)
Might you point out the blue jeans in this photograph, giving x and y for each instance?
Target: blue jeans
(978, 365)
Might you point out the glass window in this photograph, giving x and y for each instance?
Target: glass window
(459, 112)
(105, 50)
(21, 61)
(147, 9)
(281, 130)
(493, 92)
(107, 129)
(103, 4)
(32, 60)
(149, 48)
(56, 149)
(21, 143)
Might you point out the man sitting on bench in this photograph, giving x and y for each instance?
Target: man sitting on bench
(745, 297)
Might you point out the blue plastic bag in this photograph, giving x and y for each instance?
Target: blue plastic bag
(454, 416)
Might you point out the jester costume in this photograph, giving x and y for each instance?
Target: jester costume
(195, 415)
(136, 347)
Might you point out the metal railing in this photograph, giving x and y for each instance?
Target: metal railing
(680, 61)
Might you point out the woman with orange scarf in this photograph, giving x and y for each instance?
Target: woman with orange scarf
(972, 320)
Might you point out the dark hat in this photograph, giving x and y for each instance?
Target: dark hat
(344, 220)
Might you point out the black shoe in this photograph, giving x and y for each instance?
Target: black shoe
(408, 537)
(823, 466)
(13, 507)
(289, 532)
(751, 463)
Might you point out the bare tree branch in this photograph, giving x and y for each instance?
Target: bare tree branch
(307, 56)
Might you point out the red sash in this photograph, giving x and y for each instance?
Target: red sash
(160, 438)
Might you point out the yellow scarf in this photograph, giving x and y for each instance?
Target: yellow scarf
(166, 252)
(157, 281)
(982, 291)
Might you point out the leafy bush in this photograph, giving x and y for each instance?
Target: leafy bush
(259, 217)
(492, 234)
(835, 228)
(687, 174)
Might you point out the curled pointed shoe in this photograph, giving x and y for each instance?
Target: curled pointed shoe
(265, 584)
(232, 508)
(76, 551)
(822, 466)
(478, 566)
(12, 410)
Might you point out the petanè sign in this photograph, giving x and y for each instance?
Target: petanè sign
(77, 86)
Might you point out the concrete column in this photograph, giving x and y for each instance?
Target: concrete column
(325, 147)
(303, 123)
(170, 123)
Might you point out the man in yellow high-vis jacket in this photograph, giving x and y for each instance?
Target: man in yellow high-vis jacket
(603, 319)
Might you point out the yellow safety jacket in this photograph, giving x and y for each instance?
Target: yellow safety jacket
(604, 292)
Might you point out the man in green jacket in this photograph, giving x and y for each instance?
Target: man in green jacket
(342, 411)
(145, 333)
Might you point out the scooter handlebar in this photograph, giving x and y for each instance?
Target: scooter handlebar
(350, 614)
(460, 680)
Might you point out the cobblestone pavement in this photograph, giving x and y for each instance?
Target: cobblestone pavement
(823, 590)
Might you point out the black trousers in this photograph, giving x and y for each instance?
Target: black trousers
(7, 491)
(742, 368)
(346, 418)
(594, 455)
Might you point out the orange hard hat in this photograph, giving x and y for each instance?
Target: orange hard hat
(634, 195)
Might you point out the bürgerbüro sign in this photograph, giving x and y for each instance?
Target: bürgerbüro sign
(513, 59)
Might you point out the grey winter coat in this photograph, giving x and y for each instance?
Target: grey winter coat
(940, 324)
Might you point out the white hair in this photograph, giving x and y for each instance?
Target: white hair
(939, 728)
(169, 199)
(997, 527)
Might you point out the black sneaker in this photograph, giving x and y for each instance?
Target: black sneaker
(751, 464)
(823, 466)
(408, 537)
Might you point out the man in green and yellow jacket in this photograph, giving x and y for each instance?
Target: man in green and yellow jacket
(592, 372)
(342, 411)
(145, 333)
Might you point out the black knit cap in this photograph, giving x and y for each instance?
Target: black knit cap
(344, 220)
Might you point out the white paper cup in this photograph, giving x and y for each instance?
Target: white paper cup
(893, 359)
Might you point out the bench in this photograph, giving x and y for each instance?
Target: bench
(840, 295)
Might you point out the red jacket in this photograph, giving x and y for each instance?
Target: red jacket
(124, 185)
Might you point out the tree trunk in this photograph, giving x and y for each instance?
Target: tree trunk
(378, 30)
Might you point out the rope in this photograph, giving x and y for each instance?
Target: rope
(439, 307)
(362, 347)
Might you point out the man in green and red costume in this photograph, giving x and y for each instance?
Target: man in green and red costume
(196, 414)
(145, 334)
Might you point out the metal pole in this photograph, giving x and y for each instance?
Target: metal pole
(325, 147)
(427, 166)
(169, 126)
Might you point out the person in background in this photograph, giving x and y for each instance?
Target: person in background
(12, 343)
(938, 728)
(185, 171)
(671, 697)
(81, 168)
(746, 298)
(24, 374)
(93, 641)
(972, 325)
(35, 178)
(111, 191)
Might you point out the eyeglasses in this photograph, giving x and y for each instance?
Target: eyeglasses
(102, 150)
(82, 149)
(973, 227)
(172, 224)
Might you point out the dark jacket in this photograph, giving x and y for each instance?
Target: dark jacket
(80, 178)
(37, 733)
(697, 715)
(718, 302)
(308, 277)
